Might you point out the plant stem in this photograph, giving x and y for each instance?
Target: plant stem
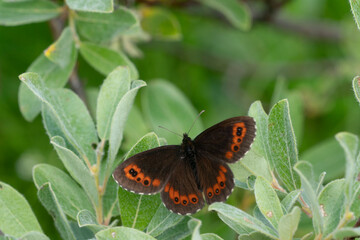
(95, 170)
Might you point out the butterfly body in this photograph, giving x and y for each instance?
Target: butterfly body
(196, 171)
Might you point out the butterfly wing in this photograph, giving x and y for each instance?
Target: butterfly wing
(148, 172)
(181, 194)
(215, 177)
(228, 140)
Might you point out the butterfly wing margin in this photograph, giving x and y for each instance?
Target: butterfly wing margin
(148, 172)
(228, 140)
(181, 194)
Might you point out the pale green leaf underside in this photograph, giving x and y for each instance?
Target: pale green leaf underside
(75, 198)
(355, 8)
(16, 216)
(122, 233)
(91, 5)
(267, 201)
(283, 145)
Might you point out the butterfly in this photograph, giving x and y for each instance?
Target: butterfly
(196, 171)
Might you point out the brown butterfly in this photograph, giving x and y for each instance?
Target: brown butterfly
(186, 174)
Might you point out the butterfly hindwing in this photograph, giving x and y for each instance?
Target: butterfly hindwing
(149, 171)
(228, 140)
(181, 194)
(215, 177)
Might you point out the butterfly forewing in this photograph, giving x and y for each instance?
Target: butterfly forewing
(181, 194)
(228, 140)
(149, 171)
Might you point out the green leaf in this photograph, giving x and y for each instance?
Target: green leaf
(122, 233)
(99, 27)
(307, 236)
(210, 236)
(253, 236)
(177, 232)
(69, 112)
(87, 219)
(162, 220)
(110, 199)
(160, 23)
(267, 201)
(236, 12)
(335, 159)
(288, 224)
(48, 199)
(136, 210)
(81, 232)
(283, 145)
(331, 200)
(17, 13)
(16, 216)
(237, 219)
(112, 90)
(91, 5)
(76, 168)
(34, 236)
(119, 119)
(75, 198)
(290, 199)
(60, 51)
(54, 75)
(304, 169)
(355, 9)
(258, 215)
(194, 226)
(356, 80)
(350, 143)
(166, 106)
(261, 142)
(346, 232)
(105, 60)
(251, 164)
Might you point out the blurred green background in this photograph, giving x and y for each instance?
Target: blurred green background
(310, 56)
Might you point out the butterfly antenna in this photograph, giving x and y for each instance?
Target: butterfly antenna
(195, 121)
(170, 131)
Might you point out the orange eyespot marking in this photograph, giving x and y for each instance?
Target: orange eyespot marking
(222, 168)
(209, 192)
(222, 185)
(235, 147)
(229, 155)
(176, 195)
(217, 189)
(156, 182)
(127, 169)
(171, 193)
(239, 129)
(193, 198)
(166, 189)
(184, 200)
(146, 181)
(177, 200)
(237, 140)
(139, 177)
(222, 176)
